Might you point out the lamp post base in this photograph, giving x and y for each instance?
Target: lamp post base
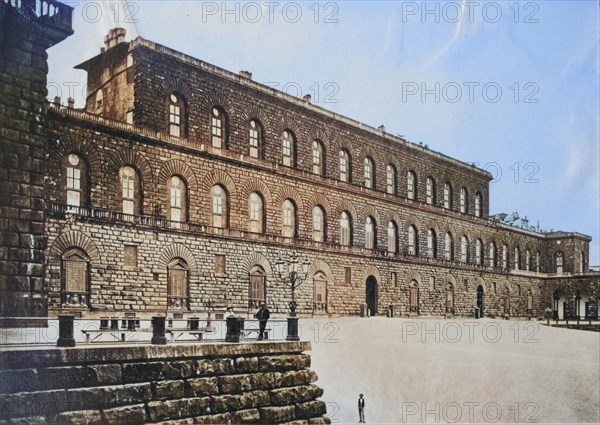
(65, 331)
(292, 329)
(158, 331)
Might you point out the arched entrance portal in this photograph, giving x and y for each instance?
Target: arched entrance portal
(371, 295)
(450, 298)
(480, 300)
(557, 307)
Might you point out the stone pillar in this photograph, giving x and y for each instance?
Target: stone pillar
(234, 329)
(25, 34)
(66, 331)
(158, 330)
(292, 329)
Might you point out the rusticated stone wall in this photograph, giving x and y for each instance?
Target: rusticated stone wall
(23, 42)
(181, 384)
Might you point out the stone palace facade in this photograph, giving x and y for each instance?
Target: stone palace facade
(182, 186)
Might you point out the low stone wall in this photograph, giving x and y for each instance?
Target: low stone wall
(174, 384)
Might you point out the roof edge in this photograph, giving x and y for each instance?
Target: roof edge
(221, 72)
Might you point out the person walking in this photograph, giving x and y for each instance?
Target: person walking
(361, 408)
(262, 315)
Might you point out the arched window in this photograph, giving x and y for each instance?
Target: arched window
(318, 158)
(177, 115)
(75, 278)
(220, 207)
(413, 240)
(464, 207)
(177, 284)
(517, 259)
(369, 173)
(448, 247)
(431, 243)
(177, 201)
(370, 233)
(346, 229)
(538, 257)
(448, 196)
(256, 213)
(414, 297)
(130, 190)
(289, 219)
(411, 185)
(75, 180)
(392, 237)
(288, 147)
(558, 261)
(430, 191)
(320, 292)
(464, 250)
(390, 179)
(449, 298)
(318, 216)
(257, 291)
(493, 255)
(218, 131)
(478, 204)
(504, 257)
(527, 260)
(255, 138)
(345, 166)
(479, 252)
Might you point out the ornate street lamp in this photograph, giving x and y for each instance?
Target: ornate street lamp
(292, 272)
(208, 303)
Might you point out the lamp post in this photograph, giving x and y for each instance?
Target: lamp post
(208, 303)
(292, 272)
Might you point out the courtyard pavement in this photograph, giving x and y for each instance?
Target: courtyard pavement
(455, 371)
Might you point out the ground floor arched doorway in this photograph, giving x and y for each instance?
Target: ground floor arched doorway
(480, 295)
(371, 295)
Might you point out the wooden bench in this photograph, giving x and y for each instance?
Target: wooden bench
(198, 333)
(120, 335)
(247, 331)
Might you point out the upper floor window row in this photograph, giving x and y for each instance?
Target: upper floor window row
(177, 211)
(219, 132)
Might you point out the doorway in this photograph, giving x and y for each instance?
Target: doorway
(480, 300)
(371, 295)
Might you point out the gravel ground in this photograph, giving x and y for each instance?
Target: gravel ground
(455, 371)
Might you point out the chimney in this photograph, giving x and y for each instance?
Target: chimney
(306, 98)
(246, 74)
(70, 103)
(114, 37)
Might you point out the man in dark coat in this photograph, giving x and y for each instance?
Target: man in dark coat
(262, 315)
(361, 408)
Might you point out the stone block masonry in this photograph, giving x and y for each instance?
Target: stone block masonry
(24, 37)
(175, 384)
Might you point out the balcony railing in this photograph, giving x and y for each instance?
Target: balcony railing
(50, 11)
(62, 211)
(70, 299)
(174, 303)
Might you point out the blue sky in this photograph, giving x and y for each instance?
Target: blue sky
(512, 86)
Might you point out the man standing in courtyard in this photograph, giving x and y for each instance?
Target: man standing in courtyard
(361, 408)
(262, 315)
